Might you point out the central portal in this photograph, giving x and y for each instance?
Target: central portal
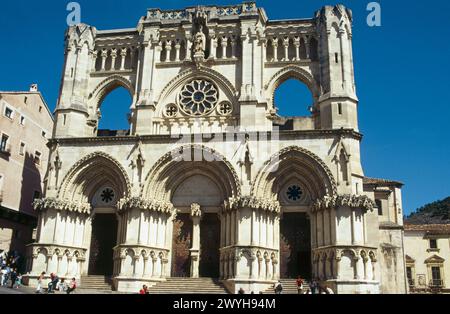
(209, 246)
(295, 246)
(103, 241)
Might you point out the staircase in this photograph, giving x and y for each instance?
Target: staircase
(289, 287)
(97, 283)
(189, 286)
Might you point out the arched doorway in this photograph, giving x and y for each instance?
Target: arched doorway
(100, 181)
(104, 233)
(196, 180)
(103, 241)
(295, 246)
(199, 189)
(296, 178)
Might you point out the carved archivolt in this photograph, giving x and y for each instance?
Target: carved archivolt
(77, 170)
(62, 205)
(321, 180)
(202, 72)
(144, 204)
(168, 165)
(352, 201)
(253, 203)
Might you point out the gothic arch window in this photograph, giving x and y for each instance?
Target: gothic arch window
(293, 98)
(113, 112)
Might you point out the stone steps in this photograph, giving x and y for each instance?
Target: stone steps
(289, 287)
(189, 286)
(96, 283)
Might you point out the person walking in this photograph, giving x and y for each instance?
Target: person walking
(279, 288)
(314, 287)
(72, 286)
(40, 281)
(13, 277)
(19, 281)
(300, 285)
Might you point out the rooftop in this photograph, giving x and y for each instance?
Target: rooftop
(432, 229)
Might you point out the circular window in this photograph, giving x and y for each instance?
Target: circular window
(107, 196)
(294, 193)
(171, 111)
(225, 108)
(198, 98)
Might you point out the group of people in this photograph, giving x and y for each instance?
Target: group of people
(56, 284)
(314, 288)
(10, 275)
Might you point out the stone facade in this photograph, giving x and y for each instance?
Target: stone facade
(211, 180)
(26, 125)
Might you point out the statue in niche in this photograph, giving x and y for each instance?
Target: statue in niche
(200, 43)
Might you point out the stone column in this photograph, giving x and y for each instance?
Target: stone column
(123, 55)
(224, 45)
(104, 55)
(114, 57)
(297, 48)
(196, 215)
(177, 51)
(286, 48)
(275, 49)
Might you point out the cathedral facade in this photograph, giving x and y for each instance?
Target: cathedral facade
(210, 181)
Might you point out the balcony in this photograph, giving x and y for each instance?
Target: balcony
(5, 151)
(436, 283)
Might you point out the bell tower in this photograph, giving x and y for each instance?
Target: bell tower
(338, 102)
(72, 111)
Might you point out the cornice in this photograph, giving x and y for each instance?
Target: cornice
(336, 201)
(145, 204)
(62, 205)
(167, 138)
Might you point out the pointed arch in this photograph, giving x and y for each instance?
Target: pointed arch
(199, 73)
(107, 86)
(292, 72)
(92, 172)
(169, 172)
(294, 162)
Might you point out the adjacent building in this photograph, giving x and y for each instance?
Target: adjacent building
(428, 258)
(26, 124)
(210, 181)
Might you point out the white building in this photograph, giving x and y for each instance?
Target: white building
(427, 249)
(245, 195)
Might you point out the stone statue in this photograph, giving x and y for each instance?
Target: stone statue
(196, 210)
(200, 43)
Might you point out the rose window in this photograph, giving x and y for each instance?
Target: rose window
(294, 193)
(198, 98)
(107, 196)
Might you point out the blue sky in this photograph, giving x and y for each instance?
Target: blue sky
(402, 73)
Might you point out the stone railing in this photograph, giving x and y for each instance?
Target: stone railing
(248, 262)
(62, 205)
(138, 261)
(65, 261)
(360, 262)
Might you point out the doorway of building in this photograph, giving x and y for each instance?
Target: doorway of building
(295, 246)
(103, 241)
(181, 245)
(209, 262)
